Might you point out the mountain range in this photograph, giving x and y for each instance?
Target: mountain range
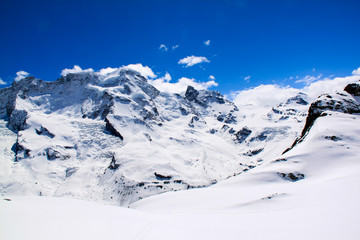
(116, 139)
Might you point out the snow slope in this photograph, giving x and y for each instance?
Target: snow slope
(295, 166)
(110, 136)
(258, 204)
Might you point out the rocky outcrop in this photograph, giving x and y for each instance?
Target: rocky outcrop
(112, 130)
(292, 177)
(242, 134)
(17, 120)
(338, 102)
(353, 89)
(45, 132)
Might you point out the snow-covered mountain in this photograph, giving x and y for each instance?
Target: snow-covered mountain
(114, 137)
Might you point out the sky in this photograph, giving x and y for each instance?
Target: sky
(230, 45)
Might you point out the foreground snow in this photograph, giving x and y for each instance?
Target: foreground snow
(258, 204)
(325, 209)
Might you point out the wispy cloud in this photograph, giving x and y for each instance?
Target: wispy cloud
(163, 48)
(308, 79)
(2, 82)
(192, 60)
(356, 72)
(247, 78)
(75, 69)
(175, 47)
(211, 77)
(20, 75)
(207, 42)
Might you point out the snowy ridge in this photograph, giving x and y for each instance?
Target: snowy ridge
(111, 136)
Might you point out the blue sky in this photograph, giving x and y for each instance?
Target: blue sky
(270, 41)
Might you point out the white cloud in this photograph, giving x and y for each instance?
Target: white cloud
(143, 70)
(207, 42)
(247, 78)
(75, 69)
(308, 79)
(167, 77)
(356, 71)
(192, 60)
(263, 95)
(2, 82)
(271, 95)
(175, 47)
(163, 47)
(328, 85)
(211, 77)
(106, 71)
(20, 75)
(163, 84)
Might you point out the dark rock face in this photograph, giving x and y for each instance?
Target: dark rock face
(45, 132)
(298, 99)
(253, 152)
(70, 171)
(228, 118)
(293, 177)
(339, 103)
(204, 97)
(242, 134)
(193, 120)
(52, 154)
(353, 89)
(161, 177)
(191, 93)
(17, 120)
(262, 136)
(326, 102)
(19, 150)
(113, 165)
(333, 138)
(112, 130)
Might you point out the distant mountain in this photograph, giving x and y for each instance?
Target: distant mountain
(116, 138)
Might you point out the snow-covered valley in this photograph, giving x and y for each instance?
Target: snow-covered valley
(176, 165)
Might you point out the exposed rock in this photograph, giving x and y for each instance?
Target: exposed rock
(193, 120)
(45, 132)
(353, 89)
(191, 93)
(298, 99)
(112, 130)
(242, 134)
(52, 154)
(228, 118)
(293, 177)
(162, 177)
(17, 120)
(333, 138)
(19, 150)
(339, 102)
(70, 171)
(280, 160)
(253, 152)
(262, 136)
(113, 165)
